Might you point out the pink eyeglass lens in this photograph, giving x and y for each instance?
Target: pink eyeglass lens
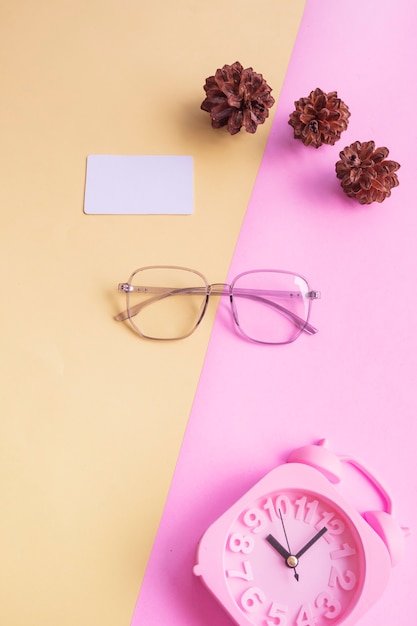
(271, 306)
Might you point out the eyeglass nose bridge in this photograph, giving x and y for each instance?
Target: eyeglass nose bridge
(220, 289)
(224, 289)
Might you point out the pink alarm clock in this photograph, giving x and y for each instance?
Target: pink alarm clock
(293, 552)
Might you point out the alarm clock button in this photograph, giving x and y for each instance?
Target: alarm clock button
(321, 458)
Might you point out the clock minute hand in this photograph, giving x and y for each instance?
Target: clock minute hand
(311, 542)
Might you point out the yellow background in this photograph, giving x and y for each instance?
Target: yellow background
(92, 417)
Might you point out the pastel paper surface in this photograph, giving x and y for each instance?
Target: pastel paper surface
(354, 381)
(134, 184)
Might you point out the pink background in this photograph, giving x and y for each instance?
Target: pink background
(354, 382)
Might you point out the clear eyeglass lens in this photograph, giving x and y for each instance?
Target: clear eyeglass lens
(166, 302)
(270, 306)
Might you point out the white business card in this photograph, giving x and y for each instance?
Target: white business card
(139, 185)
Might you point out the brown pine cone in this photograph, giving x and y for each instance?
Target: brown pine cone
(320, 118)
(365, 173)
(237, 97)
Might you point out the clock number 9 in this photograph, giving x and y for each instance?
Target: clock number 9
(241, 543)
(255, 519)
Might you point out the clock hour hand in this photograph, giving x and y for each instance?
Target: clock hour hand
(278, 547)
(311, 542)
(290, 560)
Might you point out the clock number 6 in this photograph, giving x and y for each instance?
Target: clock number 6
(252, 599)
(241, 543)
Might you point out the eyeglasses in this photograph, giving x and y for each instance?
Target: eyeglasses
(169, 302)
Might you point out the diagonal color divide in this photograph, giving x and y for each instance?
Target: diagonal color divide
(254, 402)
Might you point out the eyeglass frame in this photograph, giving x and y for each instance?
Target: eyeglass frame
(214, 289)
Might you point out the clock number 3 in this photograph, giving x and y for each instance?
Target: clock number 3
(324, 601)
(332, 607)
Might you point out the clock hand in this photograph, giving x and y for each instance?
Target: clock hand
(311, 542)
(291, 561)
(278, 547)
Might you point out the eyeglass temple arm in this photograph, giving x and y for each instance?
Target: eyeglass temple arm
(162, 293)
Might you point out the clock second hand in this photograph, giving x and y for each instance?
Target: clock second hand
(289, 560)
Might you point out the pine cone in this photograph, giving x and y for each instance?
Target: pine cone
(320, 118)
(365, 173)
(237, 97)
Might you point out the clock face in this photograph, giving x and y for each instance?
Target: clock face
(293, 558)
